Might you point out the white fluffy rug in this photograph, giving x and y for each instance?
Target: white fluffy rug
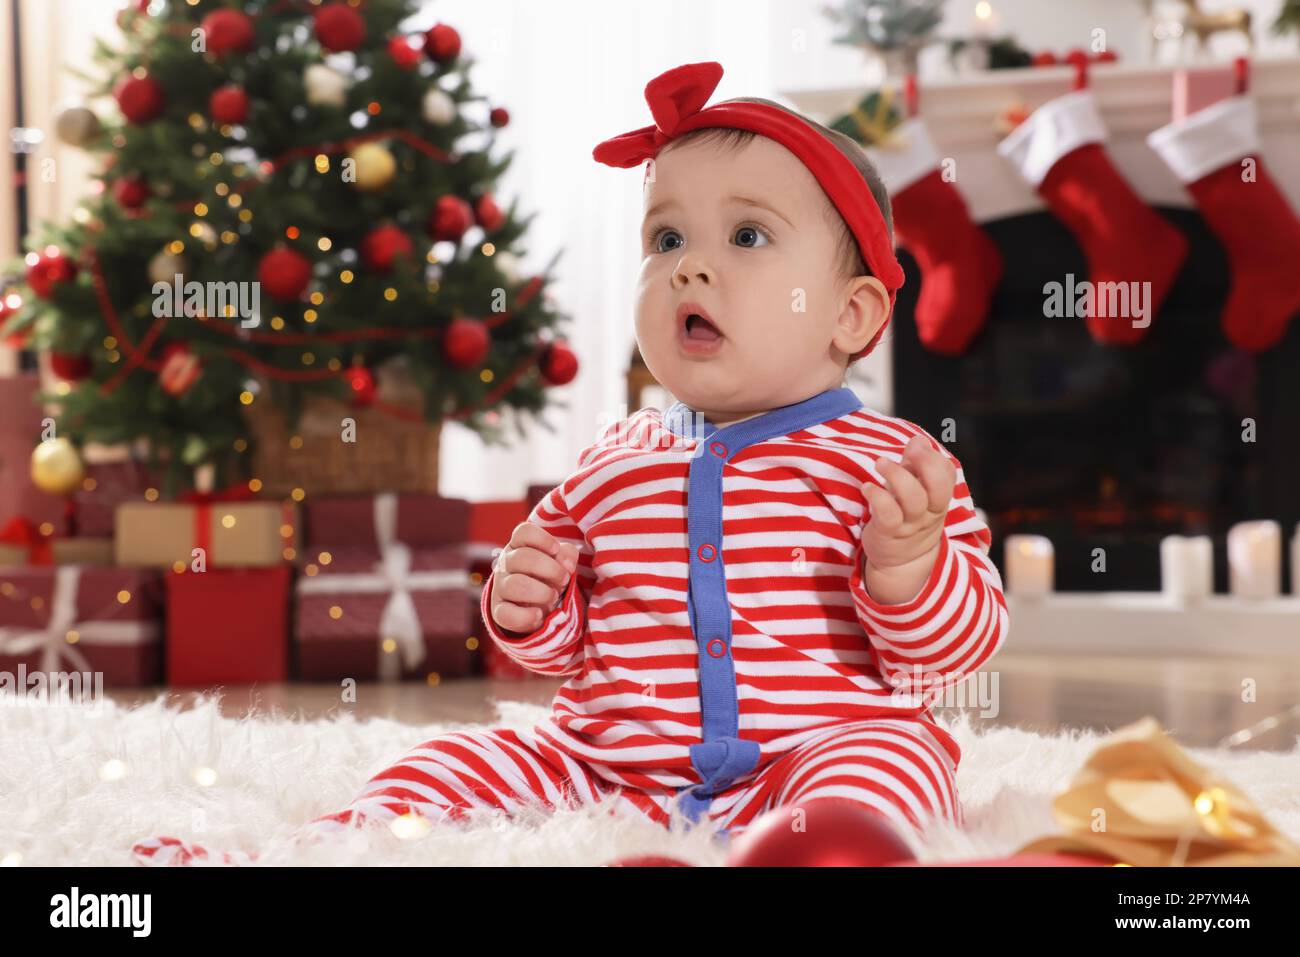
(80, 786)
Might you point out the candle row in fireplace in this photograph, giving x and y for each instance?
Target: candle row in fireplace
(1186, 563)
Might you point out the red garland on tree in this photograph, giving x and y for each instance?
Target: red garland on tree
(558, 364)
(49, 269)
(450, 218)
(180, 369)
(140, 98)
(362, 383)
(69, 367)
(339, 28)
(466, 343)
(383, 245)
(499, 116)
(228, 104)
(284, 272)
(403, 54)
(131, 192)
(227, 31)
(442, 43)
(488, 214)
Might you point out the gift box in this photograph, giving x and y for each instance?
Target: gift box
(228, 626)
(72, 618)
(233, 533)
(107, 485)
(491, 525)
(383, 589)
(20, 431)
(23, 544)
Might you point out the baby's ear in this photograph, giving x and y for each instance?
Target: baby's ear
(865, 310)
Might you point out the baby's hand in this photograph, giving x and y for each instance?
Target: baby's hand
(901, 540)
(532, 573)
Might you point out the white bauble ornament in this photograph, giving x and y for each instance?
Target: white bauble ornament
(438, 107)
(325, 87)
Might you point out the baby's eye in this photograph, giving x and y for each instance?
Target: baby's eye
(750, 236)
(659, 236)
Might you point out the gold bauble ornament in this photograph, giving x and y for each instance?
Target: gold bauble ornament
(374, 166)
(57, 467)
(77, 125)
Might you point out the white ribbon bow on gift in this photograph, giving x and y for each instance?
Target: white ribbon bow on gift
(52, 640)
(392, 574)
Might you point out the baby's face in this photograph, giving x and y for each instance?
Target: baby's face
(746, 238)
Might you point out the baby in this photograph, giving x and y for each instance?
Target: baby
(758, 593)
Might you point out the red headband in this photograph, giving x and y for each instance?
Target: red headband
(677, 99)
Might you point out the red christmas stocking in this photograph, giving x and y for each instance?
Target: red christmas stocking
(1245, 209)
(1059, 151)
(960, 265)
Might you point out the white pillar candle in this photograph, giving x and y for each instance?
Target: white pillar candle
(1187, 567)
(1030, 562)
(1255, 559)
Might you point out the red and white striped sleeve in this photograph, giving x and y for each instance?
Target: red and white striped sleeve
(555, 646)
(958, 620)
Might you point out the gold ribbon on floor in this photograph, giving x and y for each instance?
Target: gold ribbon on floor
(1139, 800)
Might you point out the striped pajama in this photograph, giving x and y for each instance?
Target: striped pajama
(723, 654)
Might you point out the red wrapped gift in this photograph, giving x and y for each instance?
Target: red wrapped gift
(82, 618)
(107, 485)
(383, 590)
(228, 626)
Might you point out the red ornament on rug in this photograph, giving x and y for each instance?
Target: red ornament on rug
(450, 218)
(466, 342)
(442, 43)
(228, 104)
(69, 367)
(131, 192)
(381, 247)
(488, 214)
(362, 383)
(140, 98)
(499, 116)
(558, 364)
(339, 27)
(822, 832)
(1060, 151)
(648, 860)
(50, 269)
(227, 31)
(284, 273)
(403, 54)
(180, 369)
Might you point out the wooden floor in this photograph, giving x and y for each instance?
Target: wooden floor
(1200, 701)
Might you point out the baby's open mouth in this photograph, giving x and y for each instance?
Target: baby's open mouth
(697, 327)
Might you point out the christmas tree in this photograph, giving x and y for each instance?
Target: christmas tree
(294, 196)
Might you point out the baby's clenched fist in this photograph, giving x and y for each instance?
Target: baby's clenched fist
(530, 577)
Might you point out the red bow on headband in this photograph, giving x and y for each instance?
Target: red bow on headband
(676, 99)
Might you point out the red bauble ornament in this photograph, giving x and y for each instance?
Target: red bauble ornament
(18, 338)
(362, 383)
(1044, 58)
(339, 27)
(488, 213)
(228, 104)
(180, 369)
(227, 31)
(140, 98)
(821, 832)
(450, 218)
(558, 363)
(499, 116)
(50, 269)
(648, 860)
(70, 368)
(466, 343)
(284, 272)
(442, 43)
(131, 192)
(381, 247)
(403, 54)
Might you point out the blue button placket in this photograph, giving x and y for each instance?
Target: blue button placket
(723, 755)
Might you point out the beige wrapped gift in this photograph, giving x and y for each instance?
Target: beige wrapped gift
(233, 534)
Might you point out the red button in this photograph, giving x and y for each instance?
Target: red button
(719, 450)
(717, 647)
(707, 553)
